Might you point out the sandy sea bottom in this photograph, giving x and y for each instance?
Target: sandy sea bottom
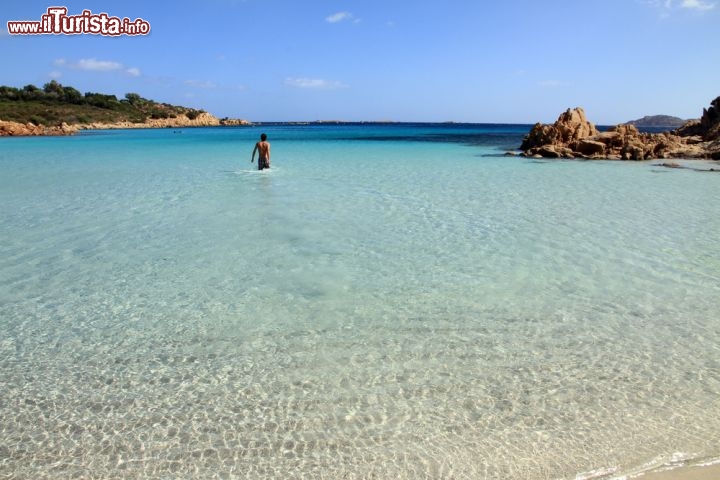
(368, 309)
(701, 471)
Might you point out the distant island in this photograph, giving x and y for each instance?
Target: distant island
(658, 121)
(60, 110)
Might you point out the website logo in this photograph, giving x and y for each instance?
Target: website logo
(57, 22)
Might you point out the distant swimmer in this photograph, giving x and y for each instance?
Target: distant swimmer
(263, 149)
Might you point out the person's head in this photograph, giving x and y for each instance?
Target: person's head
(263, 137)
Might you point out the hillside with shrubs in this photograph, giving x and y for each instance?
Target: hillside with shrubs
(55, 104)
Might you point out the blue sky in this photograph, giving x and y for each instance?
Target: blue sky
(515, 61)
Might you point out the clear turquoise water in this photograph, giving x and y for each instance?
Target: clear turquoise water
(386, 302)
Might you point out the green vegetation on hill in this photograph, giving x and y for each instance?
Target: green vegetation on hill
(54, 104)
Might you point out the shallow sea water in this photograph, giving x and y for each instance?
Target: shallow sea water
(387, 302)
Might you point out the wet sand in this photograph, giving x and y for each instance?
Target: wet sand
(711, 472)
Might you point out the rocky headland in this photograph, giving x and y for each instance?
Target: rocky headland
(573, 136)
(203, 119)
(55, 109)
(13, 129)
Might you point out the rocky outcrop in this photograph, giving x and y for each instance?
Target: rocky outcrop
(12, 129)
(708, 127)
(573, 136)
(570, 127)
(234, 122)
(15, 129)
(204, 119)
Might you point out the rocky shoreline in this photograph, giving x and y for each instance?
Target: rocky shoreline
(15, 129)
(573, 136)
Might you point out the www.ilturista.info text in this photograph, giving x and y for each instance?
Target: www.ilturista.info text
(57, 22)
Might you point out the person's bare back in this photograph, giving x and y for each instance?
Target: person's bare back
(263, 149)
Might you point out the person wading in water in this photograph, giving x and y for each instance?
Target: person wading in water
(263, 149)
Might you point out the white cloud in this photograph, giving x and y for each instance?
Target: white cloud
(668, 6)
(697, 5)
(316, 83)
(97, 65)
(200, 84)
(94, 65)
(55, 74)
(339, 17)
(552, 84)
